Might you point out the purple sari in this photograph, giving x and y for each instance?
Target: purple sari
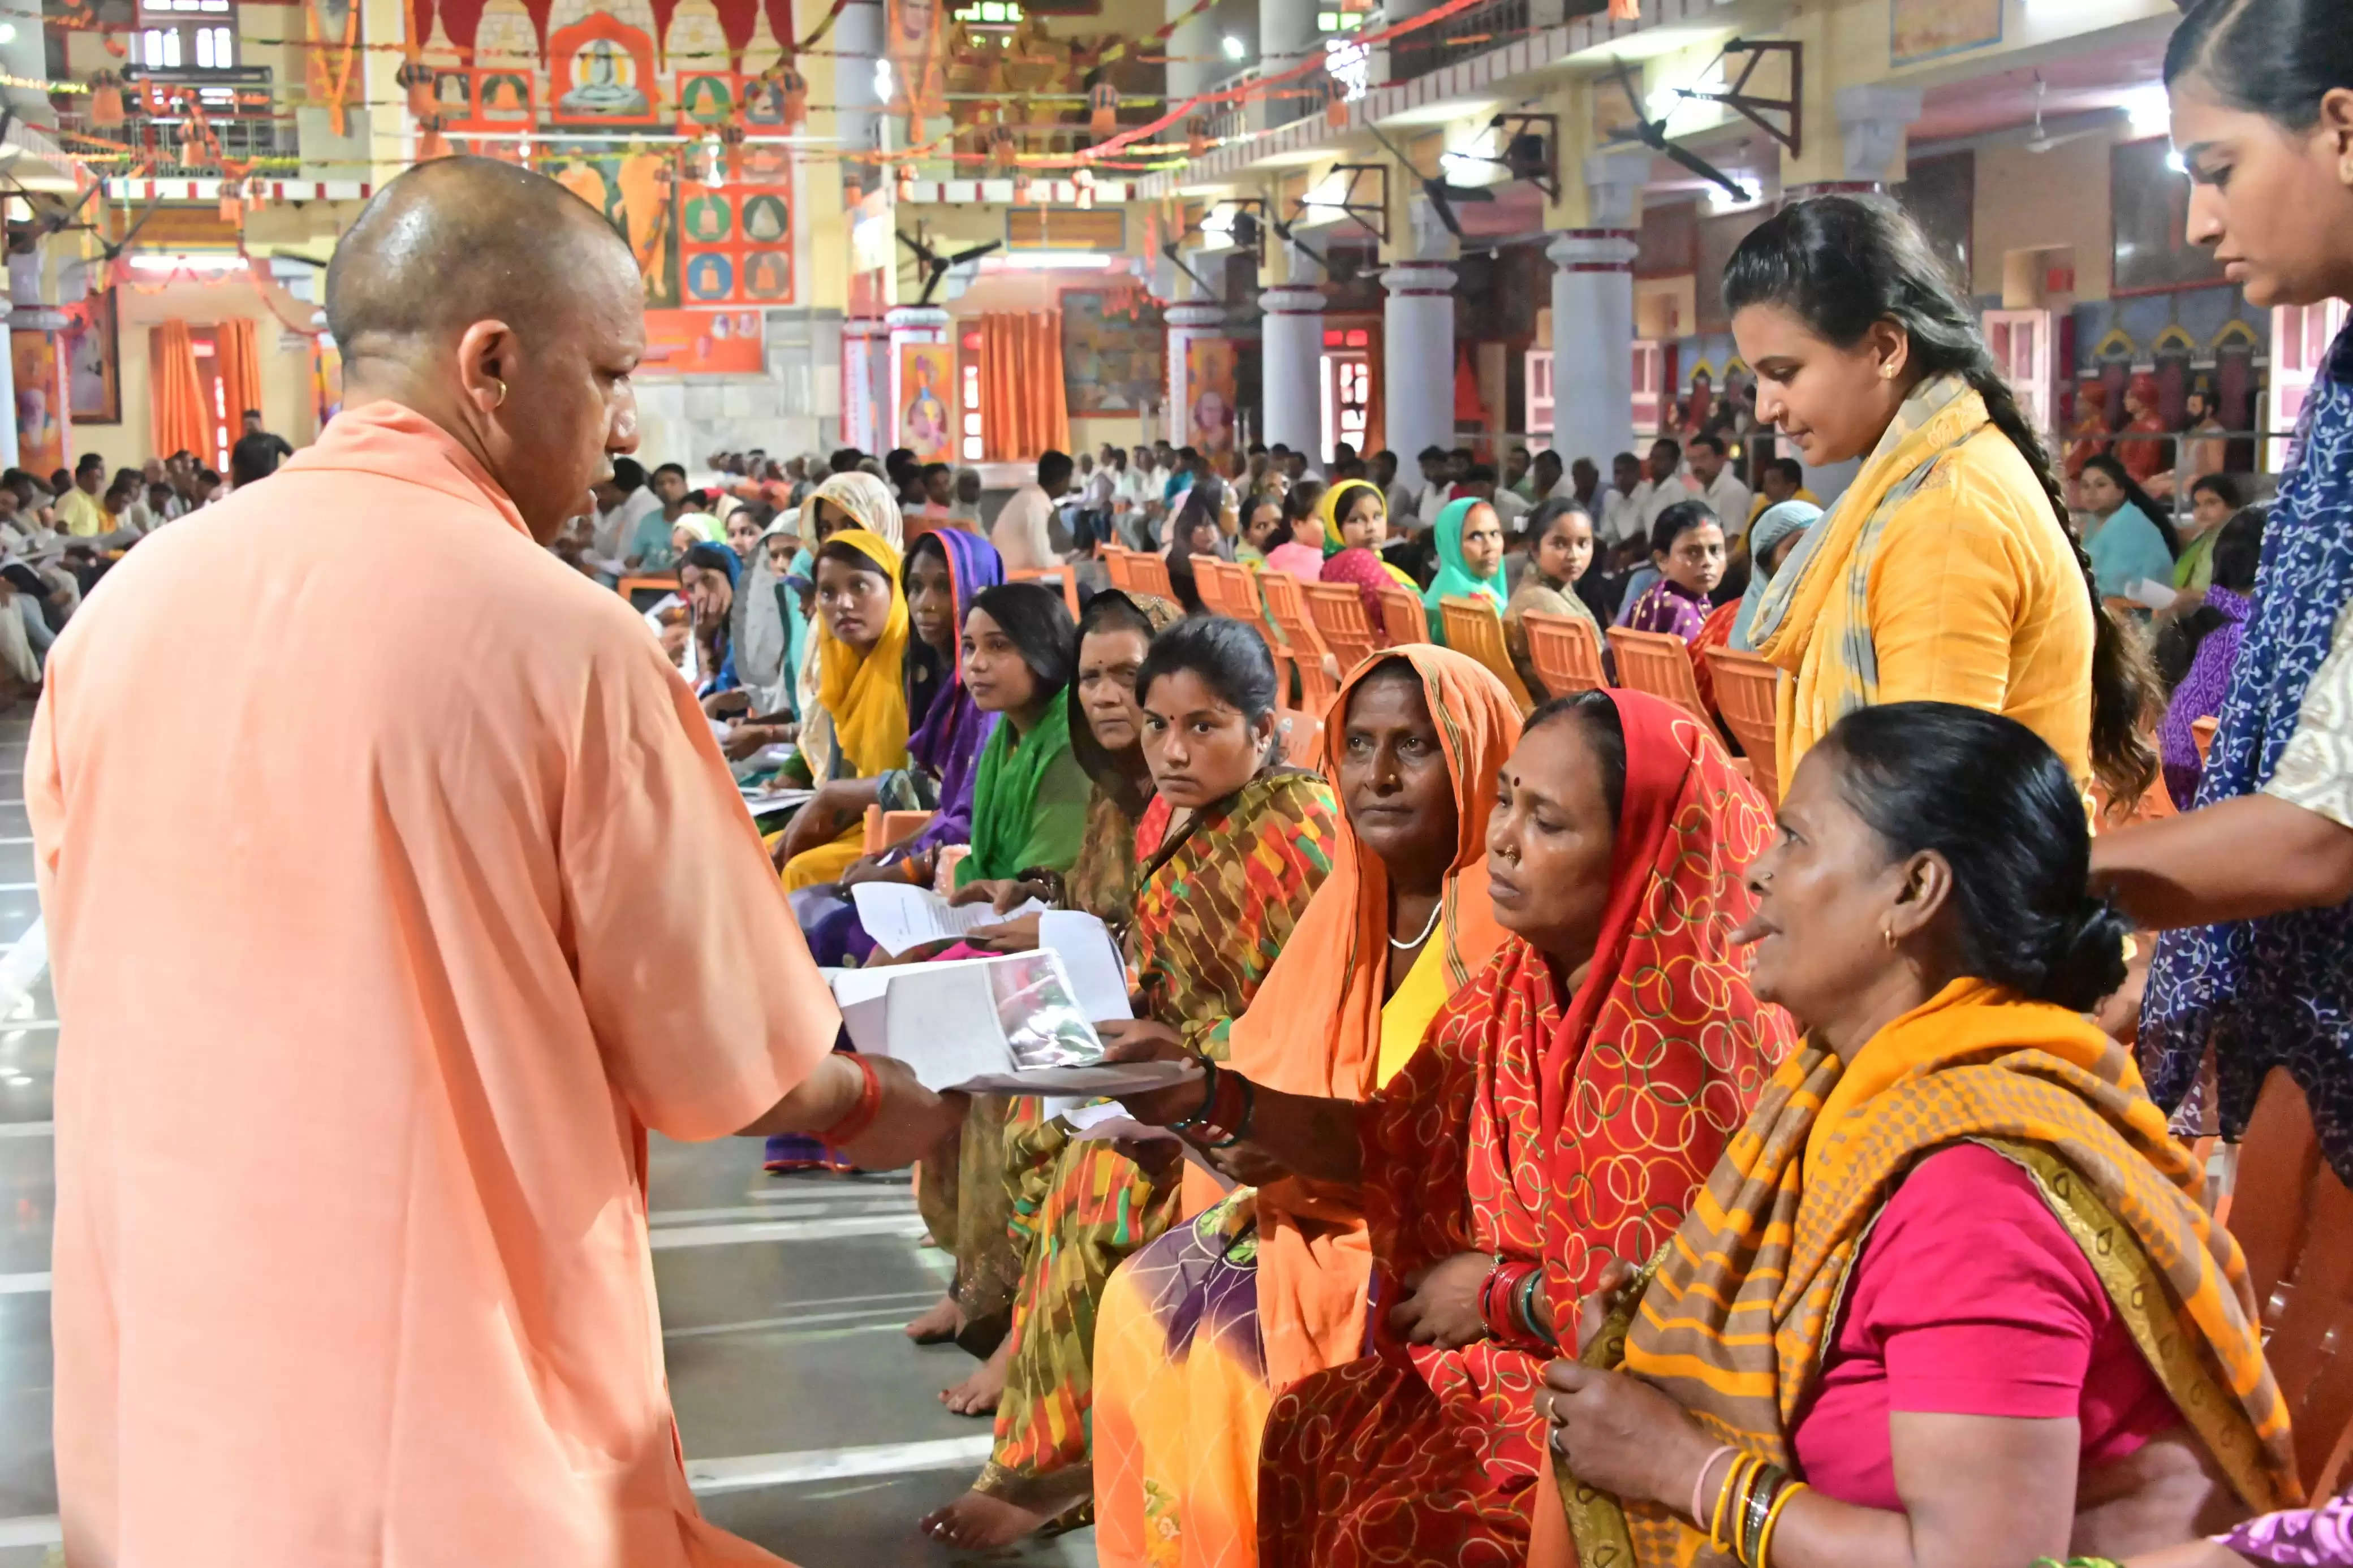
(948, 742)
(2200, 695)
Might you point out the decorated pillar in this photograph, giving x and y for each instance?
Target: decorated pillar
(1291, 367)
(1189, 322)
(1418, 357)
(921, 384)
(865, 384)
(1593, 314)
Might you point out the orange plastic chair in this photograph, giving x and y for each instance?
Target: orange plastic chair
(1403, 620)
(1746, 693)
(2293, 1220)
(1567, 654)
(1338, 612)
(1660, 664)
(1149, 573)
(1064, 577)
(1319, 673)
(2202, 732)
(1473, 628)
(654, 587)
(1229, 588)
(1115, 566)
(1302, 735)
(884, 828)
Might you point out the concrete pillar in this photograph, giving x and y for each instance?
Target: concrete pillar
(1195, 59)
(1592, 343)
(1291, 370)
(914, 324)
(1418, 359)
(865, 384)
(1187, 321)
(1872, 120)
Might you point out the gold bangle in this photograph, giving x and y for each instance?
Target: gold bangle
(1742, 1466)
(1772, 1518)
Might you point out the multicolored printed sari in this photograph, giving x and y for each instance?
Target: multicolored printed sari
(1570, 1137)
(1201, 1329)
(1735, 1324)
(1219, 898)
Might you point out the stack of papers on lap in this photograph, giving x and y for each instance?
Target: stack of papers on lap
(762, 801)
(899, 916)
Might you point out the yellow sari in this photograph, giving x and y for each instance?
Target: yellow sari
(865, 699)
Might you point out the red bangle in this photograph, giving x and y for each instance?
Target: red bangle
(1497, 1308)
(861, 1115)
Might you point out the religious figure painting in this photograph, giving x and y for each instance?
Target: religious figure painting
(926, 374)
(40, 432)
(1923, 29)
(1112, 364)
(1210, 394)
(92, 364)
(603, 69)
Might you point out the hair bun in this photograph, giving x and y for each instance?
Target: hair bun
(2087, 963)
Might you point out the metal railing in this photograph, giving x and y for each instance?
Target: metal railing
(154, 143)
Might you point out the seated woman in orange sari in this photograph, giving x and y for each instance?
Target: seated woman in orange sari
(1561, 1115)
(1953, 1295)
(1199, 1330)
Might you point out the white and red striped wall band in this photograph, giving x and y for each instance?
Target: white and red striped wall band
(210, 190)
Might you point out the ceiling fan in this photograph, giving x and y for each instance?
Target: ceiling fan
(2040, 140)
(1652, 133)
(1442, 195)
(937, 267)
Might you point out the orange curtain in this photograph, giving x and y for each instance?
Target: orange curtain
(1023, 411)
(176, 395)
(1377, 433)
(240, 368)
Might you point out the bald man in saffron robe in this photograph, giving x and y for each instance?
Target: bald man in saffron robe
(450, 899)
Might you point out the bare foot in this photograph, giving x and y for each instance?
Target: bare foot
(978, 1395)
(978, 1522)
(944, 1322)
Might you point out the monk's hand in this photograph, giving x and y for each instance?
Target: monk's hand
(1593, 1312)
(1619, 1433)
(1441, 1303)
(909, 1121)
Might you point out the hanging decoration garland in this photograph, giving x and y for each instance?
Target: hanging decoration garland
(335, 71)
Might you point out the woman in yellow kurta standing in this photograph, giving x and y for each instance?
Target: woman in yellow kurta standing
(862, 637)
(1200, 1330)
(1949, 570)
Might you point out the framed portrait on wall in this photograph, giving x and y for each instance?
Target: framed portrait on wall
(93, 362)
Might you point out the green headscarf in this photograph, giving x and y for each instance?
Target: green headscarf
(1005, 791)
(1455, 580)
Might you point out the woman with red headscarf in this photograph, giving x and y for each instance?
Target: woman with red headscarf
(1561, 1115)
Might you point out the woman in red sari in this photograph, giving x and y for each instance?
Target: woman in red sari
(1564, 1110)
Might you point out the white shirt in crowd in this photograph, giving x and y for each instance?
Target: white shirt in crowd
(1404, 505)
(1021, 533)
(1102, 486)
(1650, 499)
(1727, 497)
(1620, 515)
(1510, 508)
(616, 527)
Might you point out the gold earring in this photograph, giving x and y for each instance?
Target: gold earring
(1887, 935)
(1887, 372)
(502, 385)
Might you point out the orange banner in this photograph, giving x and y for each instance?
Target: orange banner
(703, 343)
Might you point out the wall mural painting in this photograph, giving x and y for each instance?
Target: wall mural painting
(637, 190)
(1924, 30)
(737, 245)
(1112, 362)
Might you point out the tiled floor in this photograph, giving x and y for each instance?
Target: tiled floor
(810, 1425)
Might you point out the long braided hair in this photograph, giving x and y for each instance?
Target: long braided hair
(1842, 264)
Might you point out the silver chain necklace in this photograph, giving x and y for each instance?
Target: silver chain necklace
(1436, 909)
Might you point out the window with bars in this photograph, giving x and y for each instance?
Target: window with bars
(973, 449)
(205, 47)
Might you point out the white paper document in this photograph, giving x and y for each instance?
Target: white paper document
(1007, 1024)
(899, 916)
(2148, 591)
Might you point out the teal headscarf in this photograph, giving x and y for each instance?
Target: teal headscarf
(1773, 525)
(1455, 580)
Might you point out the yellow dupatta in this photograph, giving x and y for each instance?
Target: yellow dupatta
(866, 694)
(1828, 582)
(1735, 1324)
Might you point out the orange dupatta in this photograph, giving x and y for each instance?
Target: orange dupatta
(1314, 1027)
